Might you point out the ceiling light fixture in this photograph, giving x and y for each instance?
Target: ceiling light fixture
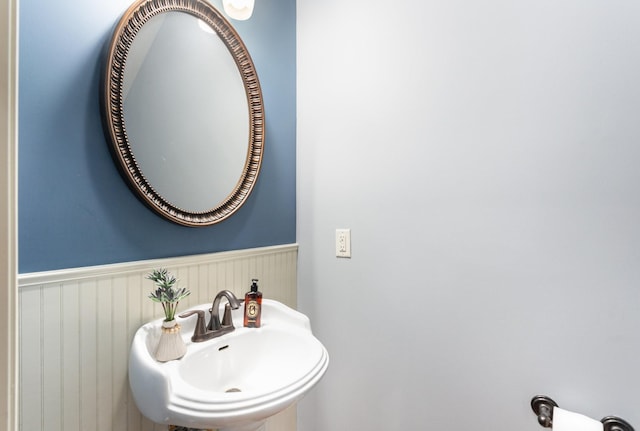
(238, 9)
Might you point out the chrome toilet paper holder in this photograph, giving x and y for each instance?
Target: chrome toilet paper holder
(543, 408)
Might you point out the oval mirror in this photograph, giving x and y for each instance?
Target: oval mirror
(183, 110)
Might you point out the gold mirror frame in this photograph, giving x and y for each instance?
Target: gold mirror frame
(127, 29)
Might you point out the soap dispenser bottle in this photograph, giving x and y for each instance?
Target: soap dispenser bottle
(253, 306)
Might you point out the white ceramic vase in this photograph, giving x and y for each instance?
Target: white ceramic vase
(171, 345)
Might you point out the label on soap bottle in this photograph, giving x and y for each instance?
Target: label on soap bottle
(253, 310)
(252, 313)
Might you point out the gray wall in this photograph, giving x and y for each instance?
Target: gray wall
(485, 156)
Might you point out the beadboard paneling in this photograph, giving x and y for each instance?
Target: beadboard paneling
(76, 327)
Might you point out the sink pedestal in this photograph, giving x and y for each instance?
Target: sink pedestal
(258, 426)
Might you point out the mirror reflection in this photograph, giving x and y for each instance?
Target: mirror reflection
(185, 111)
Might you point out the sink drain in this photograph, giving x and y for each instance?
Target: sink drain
(233, 390)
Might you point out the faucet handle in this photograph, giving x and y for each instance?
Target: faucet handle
(199, 330)
(226, 317)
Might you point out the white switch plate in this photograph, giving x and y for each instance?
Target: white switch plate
(343, 242)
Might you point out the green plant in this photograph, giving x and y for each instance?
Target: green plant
(166, 292)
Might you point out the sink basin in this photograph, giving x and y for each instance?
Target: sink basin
(233, 382)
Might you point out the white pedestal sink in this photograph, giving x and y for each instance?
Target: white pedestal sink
(231, 383)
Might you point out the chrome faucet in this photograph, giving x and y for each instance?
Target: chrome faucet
(215, 328)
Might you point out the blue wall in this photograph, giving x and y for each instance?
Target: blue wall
(74, 208)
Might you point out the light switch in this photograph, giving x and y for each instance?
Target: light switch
(343, 242)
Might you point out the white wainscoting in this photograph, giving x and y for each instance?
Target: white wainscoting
(76, 327)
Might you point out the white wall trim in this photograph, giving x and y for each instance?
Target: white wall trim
(8, 214)
(76, 328)
(92, 272)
